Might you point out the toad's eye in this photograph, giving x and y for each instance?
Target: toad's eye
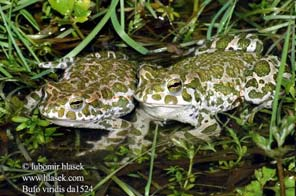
(76, 104)
(174, 85)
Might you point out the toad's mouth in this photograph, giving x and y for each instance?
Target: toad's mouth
(72, 123)
(85, 124)
(163, 105)
(106, 123)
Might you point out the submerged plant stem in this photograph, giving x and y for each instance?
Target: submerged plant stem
(77, 30)
(189, 172)
(148, 185)
(281, 176)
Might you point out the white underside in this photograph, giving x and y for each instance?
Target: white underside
(181, 113)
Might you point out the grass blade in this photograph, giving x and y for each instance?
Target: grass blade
(30, 19)
(120, 31)
(213, 22)
(279, 82)
(148, 185)
(11, 38)
(94, 32)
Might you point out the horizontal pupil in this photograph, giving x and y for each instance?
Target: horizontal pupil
(174, 85)
(76, 103)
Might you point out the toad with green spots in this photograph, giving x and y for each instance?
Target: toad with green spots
(217, 79)
(95, 92)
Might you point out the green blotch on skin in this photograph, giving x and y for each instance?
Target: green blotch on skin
(124, 125)
(204, 76)
(105, 80)
(81, 85)
(200, 117)
(197, 97)
(122, 133)
(90, 90)
(86, 111)
(120, 73)
(259, 48)
(118, 87)
(217, 71)
(122, 102)
(96, 112)
(258, 95)
(112, 76)
(249, 57)
(253, 94)
(268, 88)
(135, 132)
(114, 140)
(262, 68)
(235, 68)
(223, 42)
(96, 103)
(62, 100)
(75, 74)
(105, 107)
(71, 115)
(225, 88)
(186, 96)
(131, 85)
(219, 101)
(61, 112)
(157, 88)
(169, 99)
(195, 84)
(248, 72)
(107, 93)
(244, 43)
(252, 83)
(156, 97)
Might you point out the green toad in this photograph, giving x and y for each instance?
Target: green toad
(218, 79)
(94, 92)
